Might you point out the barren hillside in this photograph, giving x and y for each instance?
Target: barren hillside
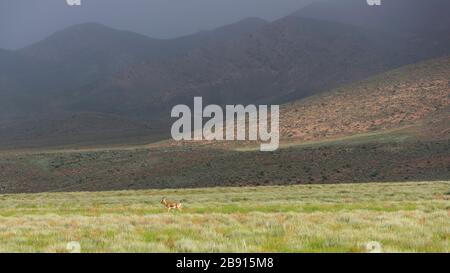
(400, 98)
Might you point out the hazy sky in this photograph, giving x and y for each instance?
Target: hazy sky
(23, 22)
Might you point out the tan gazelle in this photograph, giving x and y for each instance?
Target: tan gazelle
(171, 205)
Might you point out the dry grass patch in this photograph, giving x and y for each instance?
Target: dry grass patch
(403, 217)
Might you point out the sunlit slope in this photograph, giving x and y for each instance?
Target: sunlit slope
(410, 102)
(416, 95)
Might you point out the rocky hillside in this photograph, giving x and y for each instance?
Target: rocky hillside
(404, 97)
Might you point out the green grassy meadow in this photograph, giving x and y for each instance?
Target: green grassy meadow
(402, 217)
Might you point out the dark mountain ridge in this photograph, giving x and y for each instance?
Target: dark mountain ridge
(424, 25)
(91, 68)
(411, 16)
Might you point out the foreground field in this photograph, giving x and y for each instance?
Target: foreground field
(402, 217)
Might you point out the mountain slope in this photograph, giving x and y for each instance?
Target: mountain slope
(97, 48)
(95, 69)
(78, 59)
(117, 72)
(290, 58)
(414, 16)
(83, 40)
(416, 95)
(224, 34)
(410, 102)
(24, 83)
(89, 52)
(424, 24)
(391, 127)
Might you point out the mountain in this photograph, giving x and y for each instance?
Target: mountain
(88, 52)
(119, 72)
(93, 39)
(425, 24)
(93, 69)
(46, 82)
(413, 16)
(208, 38)
(98, 48)
(287, 59)
(385, 118)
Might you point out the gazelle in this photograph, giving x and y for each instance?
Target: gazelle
(171, 205)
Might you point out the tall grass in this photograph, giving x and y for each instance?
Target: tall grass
(402, 217)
